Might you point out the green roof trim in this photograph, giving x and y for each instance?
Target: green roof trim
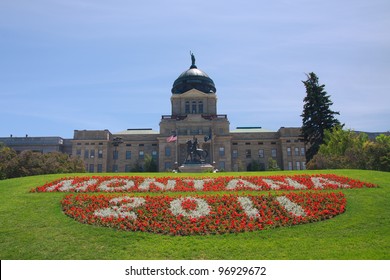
(250, 129)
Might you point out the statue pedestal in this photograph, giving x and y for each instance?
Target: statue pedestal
(196, 167)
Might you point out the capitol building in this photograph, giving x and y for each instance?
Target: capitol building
(194, 115)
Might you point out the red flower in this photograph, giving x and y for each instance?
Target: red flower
(223, 183)
(227, 213)
(188, 204)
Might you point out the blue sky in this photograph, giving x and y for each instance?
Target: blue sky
(94, 64)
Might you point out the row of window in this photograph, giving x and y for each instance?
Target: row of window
(89, 153)
(193, 131)
(115, 154)
(91, 168)
(298, 165)
(194, 107)
(87, 144)
(296, 151)
(128, 154)
(127, 145)
(100, 144)
(168, 153)
(250, 143)
(248, 153)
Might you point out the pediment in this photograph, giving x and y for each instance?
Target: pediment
(193, 93)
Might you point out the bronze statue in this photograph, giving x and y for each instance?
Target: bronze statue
(192, 59)
(194, 153)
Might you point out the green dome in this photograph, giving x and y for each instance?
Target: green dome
(193, 78)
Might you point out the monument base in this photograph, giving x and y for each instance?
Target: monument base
(196, 167)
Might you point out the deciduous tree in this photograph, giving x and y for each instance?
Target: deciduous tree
(348, 149)
(29, 163)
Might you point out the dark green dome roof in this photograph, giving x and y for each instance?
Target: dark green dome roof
(193, 78)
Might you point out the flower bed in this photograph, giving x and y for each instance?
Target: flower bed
(203, 214)
(178, 184)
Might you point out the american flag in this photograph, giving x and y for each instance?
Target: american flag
(172, 138)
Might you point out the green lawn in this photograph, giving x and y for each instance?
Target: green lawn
(32, 226)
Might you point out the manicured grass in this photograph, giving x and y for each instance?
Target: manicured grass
(32, 226)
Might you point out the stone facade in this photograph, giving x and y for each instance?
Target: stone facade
(94, 147)
(230, 151)
(193, 115)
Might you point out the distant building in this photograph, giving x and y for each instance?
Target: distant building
(38, 144)
(193, 114)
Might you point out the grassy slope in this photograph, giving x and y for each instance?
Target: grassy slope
(32, 226)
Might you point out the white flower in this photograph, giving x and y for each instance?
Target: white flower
(202, 208)
(247, 205)
(320, 182)
(290, 206)
(275, 185)
(235, 182)
(198, 184)
(67, 185)
(84, 185)
(145, 185)
(106, 185)
(119, 209)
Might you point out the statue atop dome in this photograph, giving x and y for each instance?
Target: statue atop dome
(193, 78)
(192, 60)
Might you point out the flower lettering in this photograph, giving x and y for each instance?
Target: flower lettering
(247, 205)
(178, 184)
(121, 208)
(200, 207)
(145, 185)
(290, 206)
(116, 185)
(203, 214)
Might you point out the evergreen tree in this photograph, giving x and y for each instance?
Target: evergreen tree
(317, 115)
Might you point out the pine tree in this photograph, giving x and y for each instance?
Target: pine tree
(317, 115)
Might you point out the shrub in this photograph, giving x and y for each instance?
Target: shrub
(29, 163)
(348, 149)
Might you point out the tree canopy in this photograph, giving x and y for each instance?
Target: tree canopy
(348, 149)
(28, 163)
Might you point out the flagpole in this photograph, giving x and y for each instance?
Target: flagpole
(176, 152)
(174, 138)
(212, 146)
